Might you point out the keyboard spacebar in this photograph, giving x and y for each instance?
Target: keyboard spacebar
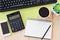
(17, 5)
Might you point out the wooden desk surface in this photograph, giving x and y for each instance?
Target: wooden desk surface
(56, 28)
(20, 34)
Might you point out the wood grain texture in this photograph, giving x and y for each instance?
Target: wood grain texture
(19, 36)
(56, 28)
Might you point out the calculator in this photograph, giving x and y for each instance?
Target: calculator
(15, 21)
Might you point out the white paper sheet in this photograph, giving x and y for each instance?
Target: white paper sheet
(37, 28)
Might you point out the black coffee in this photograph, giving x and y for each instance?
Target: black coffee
(43, 12)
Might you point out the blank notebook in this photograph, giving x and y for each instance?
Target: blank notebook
(37, 28)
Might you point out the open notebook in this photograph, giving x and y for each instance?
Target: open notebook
(37, 28)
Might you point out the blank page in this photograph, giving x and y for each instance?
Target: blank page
(37, 28)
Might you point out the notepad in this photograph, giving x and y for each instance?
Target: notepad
(37, 28)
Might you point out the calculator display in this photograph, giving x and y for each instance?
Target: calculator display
(14, 17)
(15, 21)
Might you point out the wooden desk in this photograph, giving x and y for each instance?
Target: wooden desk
(56, 28)
(20, 34)
(17, 36)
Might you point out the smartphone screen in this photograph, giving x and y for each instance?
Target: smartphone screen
(5, 28)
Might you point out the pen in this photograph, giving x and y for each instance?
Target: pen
(45, 32)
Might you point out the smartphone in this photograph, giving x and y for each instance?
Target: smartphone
(4, 27)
